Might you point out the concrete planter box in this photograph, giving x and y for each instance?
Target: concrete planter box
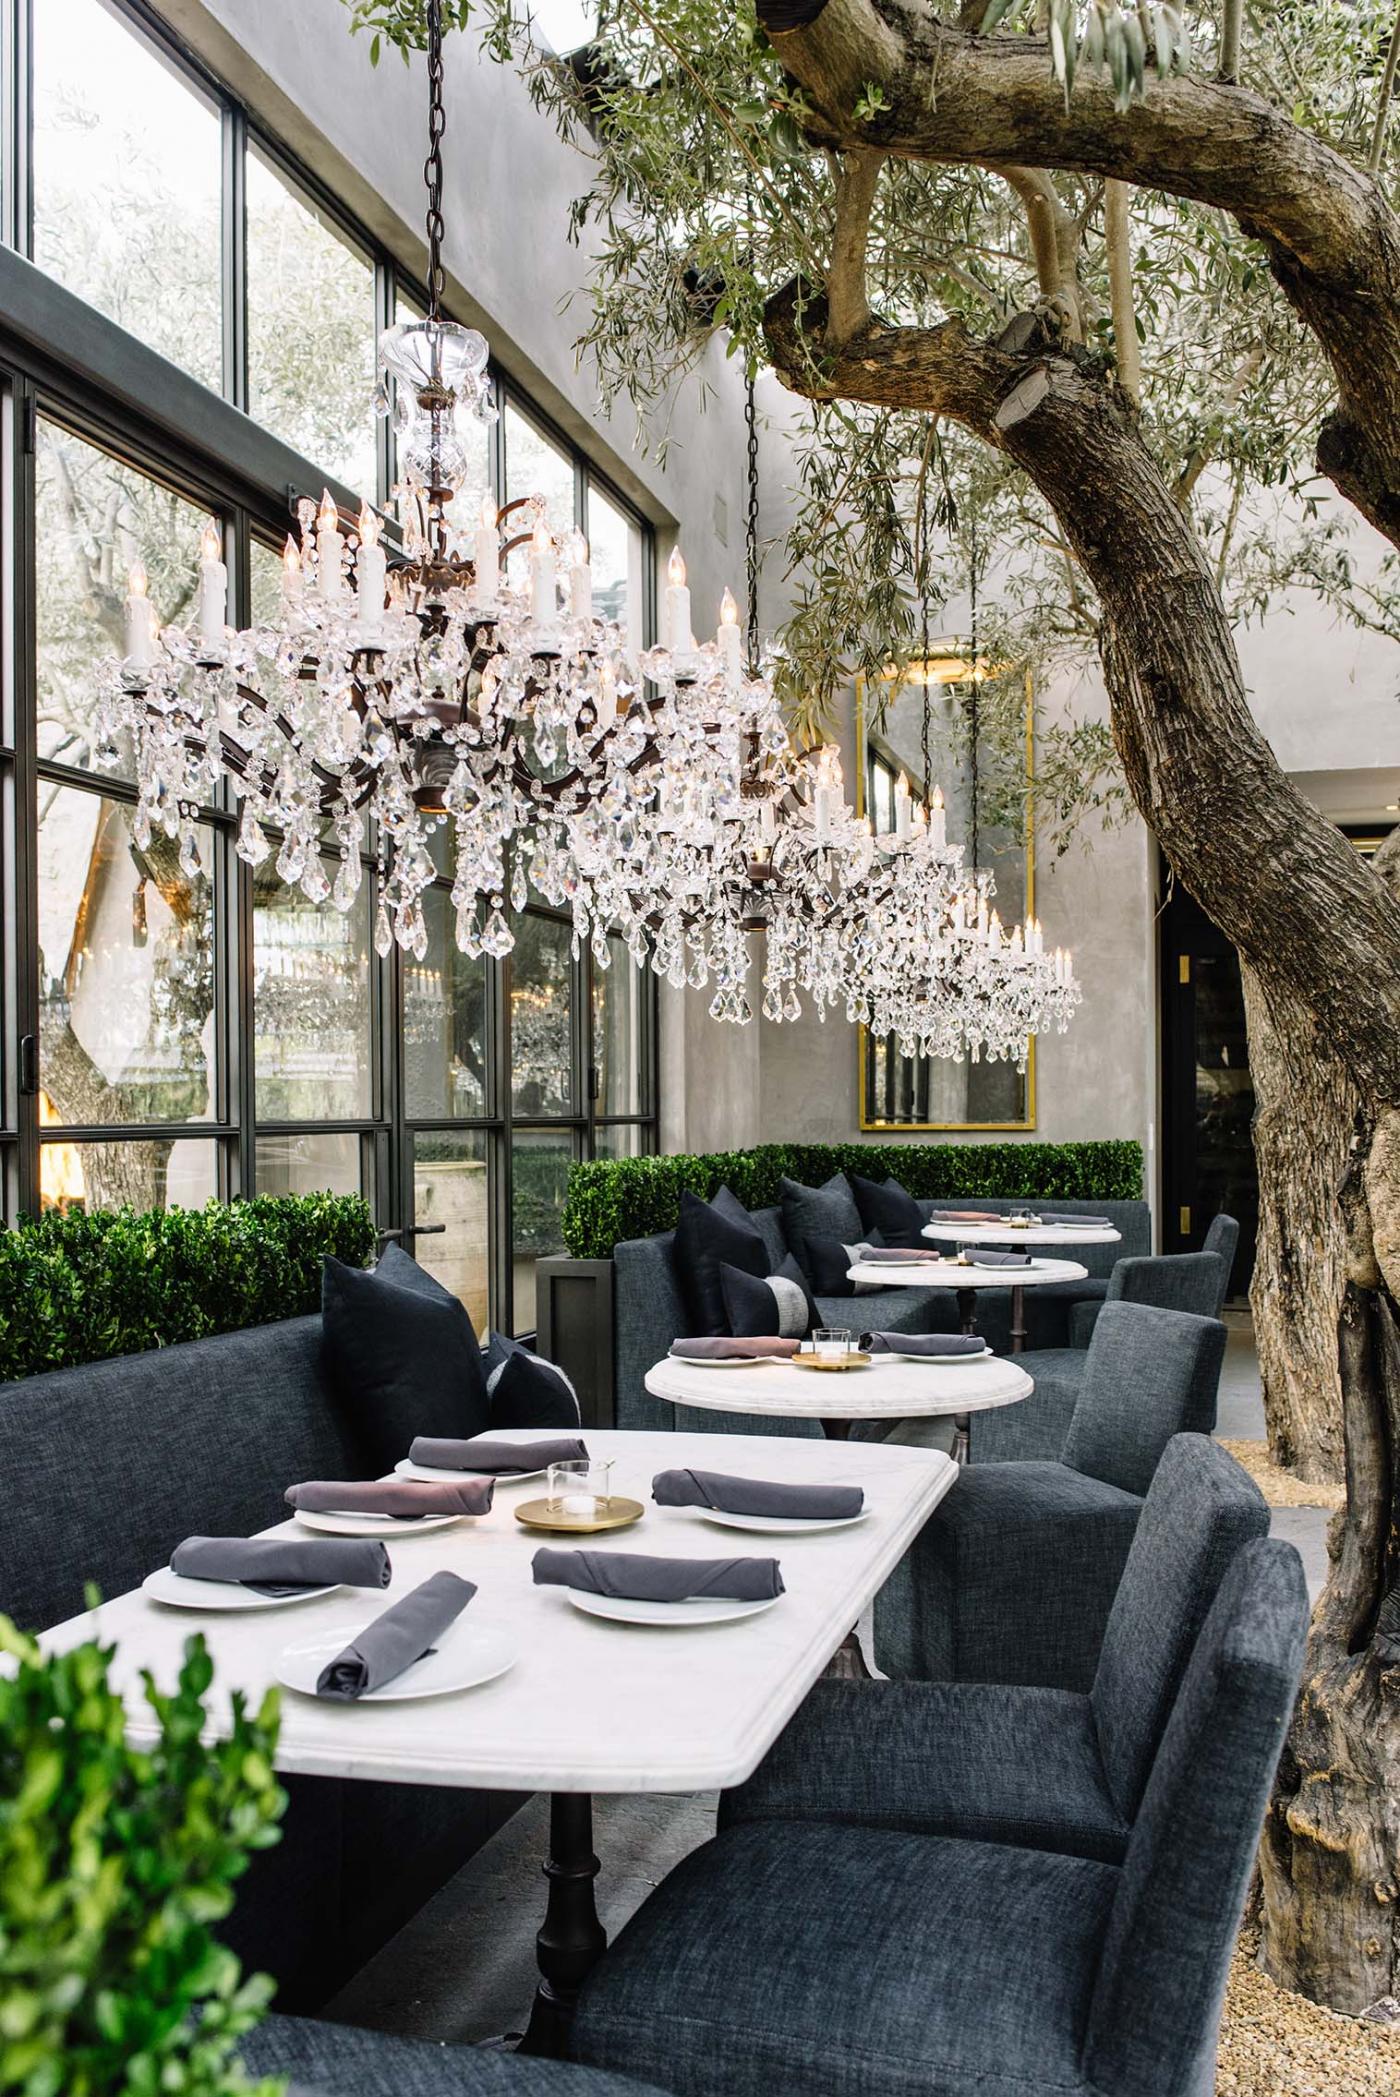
(574, 1327)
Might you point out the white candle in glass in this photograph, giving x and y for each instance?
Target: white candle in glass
(543, 602)
(580, 578)
(727, 637)
(938, 821)
(488, 553)
(371, 569)
(213, 589)
(677, 608)
(140, 621)
(328, 548)
(579, 1504)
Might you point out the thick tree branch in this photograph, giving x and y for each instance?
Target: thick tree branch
(1118, 238)
(1333, 241)
(848, 307)
(1301, 906)
(1054, 243)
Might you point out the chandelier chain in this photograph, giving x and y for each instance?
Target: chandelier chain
(923, 576)
(751, 519)
(432, 166)
(974, 711)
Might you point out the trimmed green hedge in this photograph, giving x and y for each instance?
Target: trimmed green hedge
(79, 1288)
(611, 1199)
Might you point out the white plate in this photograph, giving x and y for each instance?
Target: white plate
(375, 1524)
(732, 1361)
(466, 1656)
(932, 1361)
(164, 1586)
(696, 1609)
(435, 1474)
(778, 1525)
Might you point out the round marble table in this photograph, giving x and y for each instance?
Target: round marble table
(1022, 1233)
(892, 1388)
(966, 1281)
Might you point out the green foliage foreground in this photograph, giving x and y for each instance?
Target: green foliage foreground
(115, 1861)
(80, 1287)
(611, 1199)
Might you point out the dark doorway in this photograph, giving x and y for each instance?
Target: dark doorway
(1207, 1093)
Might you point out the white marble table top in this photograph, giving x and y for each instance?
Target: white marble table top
(892, 1388)
(947, 1274)
(590, 1705)
(1023, 1234)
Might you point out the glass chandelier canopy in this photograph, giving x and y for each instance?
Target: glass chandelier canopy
(423, 679)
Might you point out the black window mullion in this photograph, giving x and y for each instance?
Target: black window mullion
(22, 830)
(235, 254)
(16, 116)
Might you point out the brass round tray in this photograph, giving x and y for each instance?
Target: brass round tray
(830, 1368)
(539, 1514)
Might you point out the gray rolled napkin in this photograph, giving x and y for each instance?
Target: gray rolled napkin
(392, 1496)
(893, 1256)
(396, 1639)
(489, 1453)
(931, 1344)
(984, 1256)
(639, 1578)
(723, 1349)
(283, 1565)
(756, 1496)
(1097, 1223)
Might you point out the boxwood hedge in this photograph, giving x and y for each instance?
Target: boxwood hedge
(78, 1287)
(610, 1199)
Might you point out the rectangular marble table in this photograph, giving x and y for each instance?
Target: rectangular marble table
(590, 1705)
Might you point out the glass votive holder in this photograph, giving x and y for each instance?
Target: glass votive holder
(831, 1343)
(580, 1490)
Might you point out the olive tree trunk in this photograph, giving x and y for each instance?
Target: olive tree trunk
(1317, 930)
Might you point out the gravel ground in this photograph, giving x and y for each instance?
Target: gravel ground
(1273, 2044)
(1281, 1488)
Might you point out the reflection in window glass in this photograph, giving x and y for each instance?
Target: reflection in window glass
(540, 1161)
(146, 1175)
(94, 520)
(444, 1022)
(310, 331)
(534, 466)
(264, 583)
(126, 975)
(617, 1032)
(451, 1187)
(541, 1016)
(309, 1162)
(127, 183)
(615, 551)
(311, 1009)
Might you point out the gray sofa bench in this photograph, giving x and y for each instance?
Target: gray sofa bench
(649, 1310)
(107, 1467)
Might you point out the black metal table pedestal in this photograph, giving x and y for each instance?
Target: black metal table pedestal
(572, 1940)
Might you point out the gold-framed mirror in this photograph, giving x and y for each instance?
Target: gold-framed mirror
(969, 727)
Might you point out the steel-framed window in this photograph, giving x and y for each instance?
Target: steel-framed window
(67, 367)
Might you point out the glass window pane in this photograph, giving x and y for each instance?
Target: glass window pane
(143, 1175)
(541, 1017)
(535, 466)
(127, 183)
(444, 1022)
(451, 1186)
(94, 519)
(311, 1003)
(126, 975)
(622, 1139)
(615, 551)
(310, 1162)
(617, 1033)
(540, 1161)
(310, 331)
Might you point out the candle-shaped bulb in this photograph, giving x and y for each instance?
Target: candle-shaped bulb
(675, 569)
(938, 797)
(291, 559)
(938, 820)
(210, 545)
(727, 639)
(488, 510)
(369, 526)
(728, 609)
(328, 517)
(136, 580)
(676, 630)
